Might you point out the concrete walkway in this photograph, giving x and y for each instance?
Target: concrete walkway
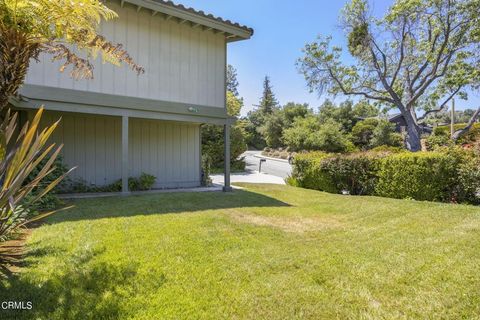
(250, 177)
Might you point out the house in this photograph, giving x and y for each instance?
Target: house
(119, 124)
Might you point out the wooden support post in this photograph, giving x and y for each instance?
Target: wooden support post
(125, 164)
(452, 119)
(226, 149)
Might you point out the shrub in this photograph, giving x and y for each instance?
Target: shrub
(421, 176)
(333, 173)
(471, 136)
(449, 174)
(206, 168)
(284, 155)
(467, 177)
(309, 134)
(305, 168)
(387, 149)
(355, 173)
(212, 144)
(384, 135)
(23, 150)
(362, 132)
(142, 183)
(49, 201)
(291, 181)
(435, 141)
(146, 181)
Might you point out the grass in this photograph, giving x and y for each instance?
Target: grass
(267, 252)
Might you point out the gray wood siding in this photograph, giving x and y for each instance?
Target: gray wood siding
(182, 63)
(168, 150)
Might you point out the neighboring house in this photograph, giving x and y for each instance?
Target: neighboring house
(120, 124)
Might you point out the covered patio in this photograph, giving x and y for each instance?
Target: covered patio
(110, 137)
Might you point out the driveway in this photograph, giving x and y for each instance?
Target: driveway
(276, 167)
(272, 171)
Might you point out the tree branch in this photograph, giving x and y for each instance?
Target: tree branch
(395, 98)
(402, 53)
(360, 93)
(442, 106)
(459, 133)
(384, 57)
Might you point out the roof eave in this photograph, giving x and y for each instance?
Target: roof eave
(234, 33)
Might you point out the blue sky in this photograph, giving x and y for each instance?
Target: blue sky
(282, 28)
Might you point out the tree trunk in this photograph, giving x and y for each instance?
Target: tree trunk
(413, 134)
(16, 50)
(459, 133)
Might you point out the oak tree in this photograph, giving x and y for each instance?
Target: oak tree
(415, 58)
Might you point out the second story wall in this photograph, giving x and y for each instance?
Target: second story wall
(182, 63)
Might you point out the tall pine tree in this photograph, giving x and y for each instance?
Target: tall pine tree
(232, 82)
(258, 118)
(268, 102)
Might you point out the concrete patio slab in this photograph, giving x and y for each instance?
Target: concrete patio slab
(249, 177)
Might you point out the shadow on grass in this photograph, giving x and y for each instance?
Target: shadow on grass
(78, 289)
(169, 203)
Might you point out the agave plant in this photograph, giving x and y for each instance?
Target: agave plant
(22, 151)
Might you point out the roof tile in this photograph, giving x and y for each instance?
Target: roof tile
(203, 14)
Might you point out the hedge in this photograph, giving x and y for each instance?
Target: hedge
(420, 176)
(449, 175)
(334, 173)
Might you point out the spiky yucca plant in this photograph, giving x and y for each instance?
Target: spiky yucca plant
(21, 154)
(58, 27)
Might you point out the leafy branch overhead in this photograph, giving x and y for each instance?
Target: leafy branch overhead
(66, 29)
(416, 58)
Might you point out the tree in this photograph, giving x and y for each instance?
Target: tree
(234, 104)
(330, 138)
(417, 57)
(268, 102)
(342, 114)
(232, 82)
(384, 135)
(212, 144)
(30, 27)
(27, 28)
(293, 110)
(258, 118)
(444, 117)
(282, 118)
(254, 123)
(273, 128)
(364, 109)
(298, 137)
(213, 139)
(362, 132)
(310, 134)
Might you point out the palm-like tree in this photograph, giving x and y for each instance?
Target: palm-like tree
(29, 27)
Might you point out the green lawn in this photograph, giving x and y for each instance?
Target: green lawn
(268, 252)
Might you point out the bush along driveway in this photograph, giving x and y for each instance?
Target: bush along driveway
(265, 252)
